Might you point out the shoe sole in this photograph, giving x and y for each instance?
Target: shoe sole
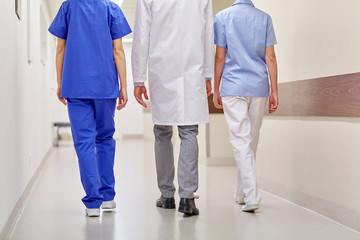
(187, 211)
(166, 206)
(250, 209)
(92, 213)
(108, 207)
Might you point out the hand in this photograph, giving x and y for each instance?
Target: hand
(138, 92)
(123, 99)
(273, 102)
(61, 99)
(217, 100)
(208, 87)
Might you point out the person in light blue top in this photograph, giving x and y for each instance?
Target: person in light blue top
(90, 59)
(245, 58)
(245, 32)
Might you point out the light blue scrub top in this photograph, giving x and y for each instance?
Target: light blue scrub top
(89, 27)
(245, 32)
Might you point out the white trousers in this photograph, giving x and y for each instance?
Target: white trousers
(244, 116)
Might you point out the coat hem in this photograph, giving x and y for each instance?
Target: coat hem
(180, 124)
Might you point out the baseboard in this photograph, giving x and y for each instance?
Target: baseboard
(217, 162)
(133, 136)
(19, 206)
(333, 211)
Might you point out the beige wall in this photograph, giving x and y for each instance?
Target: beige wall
(314, 156)
(315, 38)
(26, 102)
(219, 5)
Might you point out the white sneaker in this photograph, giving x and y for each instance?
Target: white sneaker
(108, 205)
(250, 207)
(92, 212)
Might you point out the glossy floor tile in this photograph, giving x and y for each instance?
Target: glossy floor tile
(54, 210)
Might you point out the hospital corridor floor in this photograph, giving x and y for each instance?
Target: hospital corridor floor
(54, 210)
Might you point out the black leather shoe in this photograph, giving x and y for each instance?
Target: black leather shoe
(163, 202)
(188, 206)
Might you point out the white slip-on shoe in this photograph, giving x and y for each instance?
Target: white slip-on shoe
(250, 207)
(240, 201)
(92, 212)
(108, 204)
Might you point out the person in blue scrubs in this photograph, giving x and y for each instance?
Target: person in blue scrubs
(89, 59)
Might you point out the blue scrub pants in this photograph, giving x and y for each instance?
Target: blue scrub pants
(93, 127)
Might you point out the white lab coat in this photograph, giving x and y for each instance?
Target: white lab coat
(173, 45)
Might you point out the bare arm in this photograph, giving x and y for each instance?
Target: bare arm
(220, 57)
(120, 62)
(271, 63)
(60, 53)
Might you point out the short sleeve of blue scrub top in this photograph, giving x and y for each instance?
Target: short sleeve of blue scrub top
(270, 33)
(89, 28)
(59, 26)
(219, 32)
(119, 25)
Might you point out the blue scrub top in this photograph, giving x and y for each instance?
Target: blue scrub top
(245, 32)
(89, 27)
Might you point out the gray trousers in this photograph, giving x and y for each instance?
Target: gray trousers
(187, 164)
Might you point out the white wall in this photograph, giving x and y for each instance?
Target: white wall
(25, 104)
